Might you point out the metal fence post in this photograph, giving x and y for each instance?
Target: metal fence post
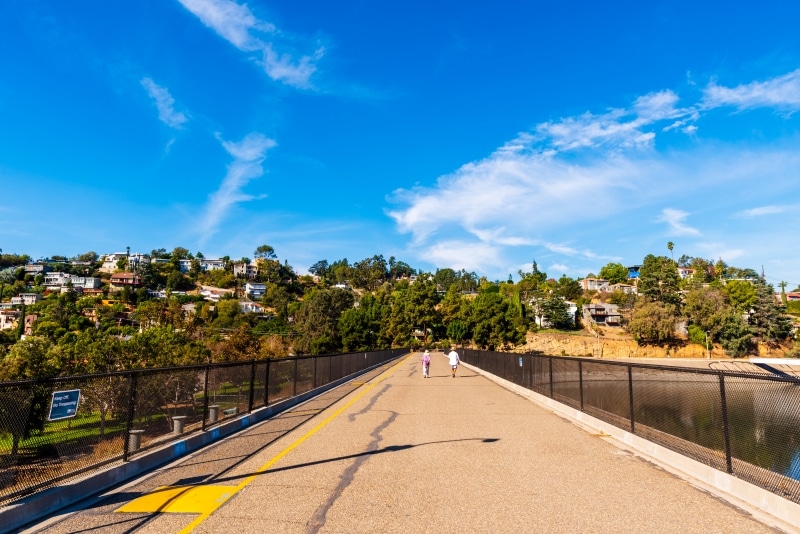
(551, 376)
(314, 372)
(580, 380)
(252, 386)
(294, 382)
(630, 398)
(129, 417)
(725, 426)
(205, 399)
(266, 383)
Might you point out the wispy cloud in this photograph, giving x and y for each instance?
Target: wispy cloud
(591, 172)
(781, 92)
(764, 210)
(165, 104)
(267, 45)
(248, 155)
(674, 218)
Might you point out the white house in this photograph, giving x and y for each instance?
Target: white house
(255, 290)
(134, 261)
(212, 265)
(596, 284)
(26, 298)
(247, 306)
(56, 279)
(685, 272)
(8, 319)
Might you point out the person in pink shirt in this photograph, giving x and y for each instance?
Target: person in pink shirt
(426, 364)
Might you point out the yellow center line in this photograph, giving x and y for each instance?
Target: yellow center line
(205, 515)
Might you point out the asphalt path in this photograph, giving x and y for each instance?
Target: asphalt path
(394, 452)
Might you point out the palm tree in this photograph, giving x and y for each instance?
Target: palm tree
(670, 246)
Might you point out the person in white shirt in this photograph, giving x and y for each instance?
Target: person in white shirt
(454, 361)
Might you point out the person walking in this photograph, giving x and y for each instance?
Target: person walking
(454, 361)
(426, 364)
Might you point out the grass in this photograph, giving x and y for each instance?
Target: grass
(63, 432)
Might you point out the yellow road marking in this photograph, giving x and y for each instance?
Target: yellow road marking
(179, 499)
(205, 514)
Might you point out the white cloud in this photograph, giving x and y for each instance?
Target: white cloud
(165, 104)
(764, 210)
(674, 218)
(510, 197)
(471, 256)
(568, 188)
(781, 92)
(248, 155)
(239, 26)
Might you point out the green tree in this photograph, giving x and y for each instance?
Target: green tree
(706, 307)
(555, 312)
(495, 325)
(741, 294)
(659, 281)
(318, 319)
(767, 320)
(568, 288)
(444, 278)
(369, 273)
(615, 273)
(320, 269)
(652, 322)
(421, 305)
(264, 252)
(735, 336)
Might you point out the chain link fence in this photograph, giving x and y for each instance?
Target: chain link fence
(57, 429)
(746, 424)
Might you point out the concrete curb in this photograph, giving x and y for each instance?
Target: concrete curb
(40, 505)
(775, 510)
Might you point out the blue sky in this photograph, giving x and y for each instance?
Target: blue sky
(446, 134)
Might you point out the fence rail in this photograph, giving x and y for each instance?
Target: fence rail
(745, 424)
(116, 416)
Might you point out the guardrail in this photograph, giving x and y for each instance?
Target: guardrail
(57, 429)
(745, 424)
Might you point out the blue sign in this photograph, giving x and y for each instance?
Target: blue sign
(520, 361)
(64, 404)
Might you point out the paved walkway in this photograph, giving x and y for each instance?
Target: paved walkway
(395, 452)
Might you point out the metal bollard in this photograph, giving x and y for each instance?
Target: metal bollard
(213, 413)
(135, 440)
(177, 424)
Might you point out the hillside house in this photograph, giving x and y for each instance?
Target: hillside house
(246, 306)
(596, 284)
(135, 260)
(125, 279)
(602, 314)
(37, 268)
(8, 319)
(245, 270)
(685, 272)
(255, 290)
(633, 272)
(26, 298)
(625, 288)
